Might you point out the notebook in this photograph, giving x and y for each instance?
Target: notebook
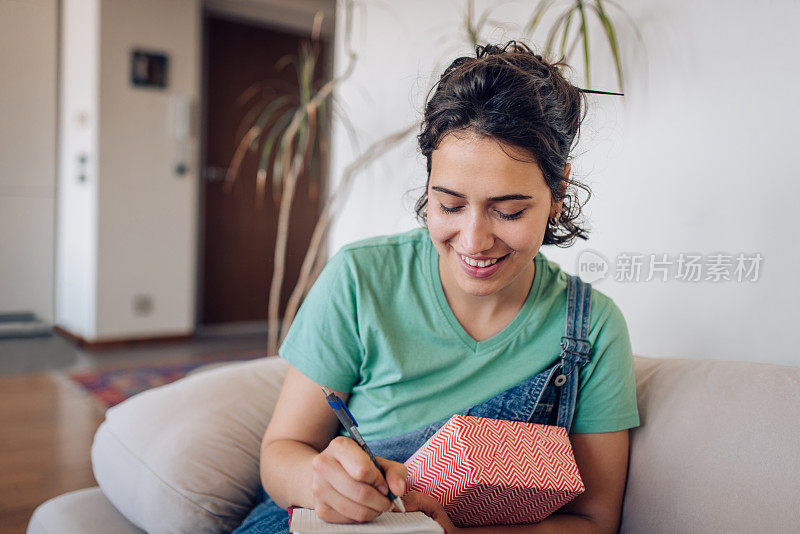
(305, 521)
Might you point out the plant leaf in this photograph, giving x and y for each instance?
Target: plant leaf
(249, 119)
(608, 26)
(269, 113)
(585, 32)
(277, 168)
(248, 94)
(551, 35)
(238, 157)
(629, 19)
(482, 19)
(573, 44)
(272, 139)
(566, 34)
(316, 29)
(536, 17)
(285, 60)
(306, 73)
(347, 124)
(468, 26)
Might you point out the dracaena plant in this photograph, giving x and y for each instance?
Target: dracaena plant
(571, 29)
(288, 131)
(567, 33)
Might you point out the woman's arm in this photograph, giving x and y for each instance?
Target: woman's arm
(301, 426)
(602, 460)
(303, 463)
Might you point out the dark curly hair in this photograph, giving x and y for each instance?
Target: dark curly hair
(514, 96)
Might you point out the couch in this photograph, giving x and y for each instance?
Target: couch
(718, 450)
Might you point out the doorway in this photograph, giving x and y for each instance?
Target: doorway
(237, 238)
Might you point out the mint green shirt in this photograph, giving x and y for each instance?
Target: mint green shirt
(377, 324)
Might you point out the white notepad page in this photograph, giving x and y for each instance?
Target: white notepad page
(305, 521)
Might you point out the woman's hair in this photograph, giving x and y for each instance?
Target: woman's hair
(514, 96)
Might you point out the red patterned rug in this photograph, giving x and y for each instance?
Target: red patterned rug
(112, 386)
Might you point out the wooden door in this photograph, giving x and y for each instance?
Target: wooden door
(237, 238)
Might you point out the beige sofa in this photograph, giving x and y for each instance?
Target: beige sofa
(718, 451)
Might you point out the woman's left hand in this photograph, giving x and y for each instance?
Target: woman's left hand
(415, 501)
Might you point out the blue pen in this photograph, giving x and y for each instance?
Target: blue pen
(349, 423)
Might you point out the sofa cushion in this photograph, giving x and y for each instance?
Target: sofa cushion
(185, 457)
(717, 449)
(79, 512)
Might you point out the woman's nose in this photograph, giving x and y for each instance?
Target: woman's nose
(476, 235)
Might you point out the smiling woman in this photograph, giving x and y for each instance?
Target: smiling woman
(462, 316)
(491, 220)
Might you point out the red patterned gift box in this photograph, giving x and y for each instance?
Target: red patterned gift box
(493, 472)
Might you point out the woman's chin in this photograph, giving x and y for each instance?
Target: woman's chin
(476, 287)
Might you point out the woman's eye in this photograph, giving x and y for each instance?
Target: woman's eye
(510, 217)
(449, 210)
(505, 216)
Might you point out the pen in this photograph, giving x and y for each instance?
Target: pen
(349, 423)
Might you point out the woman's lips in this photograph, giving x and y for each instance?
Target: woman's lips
(481, 272)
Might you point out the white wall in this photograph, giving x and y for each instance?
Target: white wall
(147, 212)
(76, 243)
(28, 51)
(699, 158)
(130, 228)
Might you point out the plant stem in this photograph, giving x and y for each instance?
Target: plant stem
(293, 164)
(305, 279)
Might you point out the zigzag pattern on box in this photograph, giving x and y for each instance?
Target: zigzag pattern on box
(494, 505)
(489, 471)
(433, 471)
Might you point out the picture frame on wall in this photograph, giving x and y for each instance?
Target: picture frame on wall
(149, 69)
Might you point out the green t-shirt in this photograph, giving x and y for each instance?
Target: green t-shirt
(377, 324)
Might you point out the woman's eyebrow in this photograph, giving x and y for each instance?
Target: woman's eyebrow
(492, 199)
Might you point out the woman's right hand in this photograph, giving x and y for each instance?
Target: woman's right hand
(348, 488)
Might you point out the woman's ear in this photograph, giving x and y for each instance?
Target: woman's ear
(562, 191)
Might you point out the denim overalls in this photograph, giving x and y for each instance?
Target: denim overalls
(546, 398)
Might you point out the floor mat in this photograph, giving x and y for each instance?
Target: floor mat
(25, 324)
(112, 386)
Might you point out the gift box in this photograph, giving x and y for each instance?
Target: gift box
(492, 472)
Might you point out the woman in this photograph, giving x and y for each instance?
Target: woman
(464, 315)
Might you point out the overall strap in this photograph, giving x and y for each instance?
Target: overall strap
(575, 343)
(575, 347)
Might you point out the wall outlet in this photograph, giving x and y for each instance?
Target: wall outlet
(143, 305)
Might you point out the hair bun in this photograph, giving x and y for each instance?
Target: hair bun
(487, 50)
(511, 47)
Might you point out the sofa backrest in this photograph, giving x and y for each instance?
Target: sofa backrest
(184, 457)
(718, 449)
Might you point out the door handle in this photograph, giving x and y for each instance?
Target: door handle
(213, 173)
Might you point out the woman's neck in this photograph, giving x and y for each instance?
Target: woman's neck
(483, 316)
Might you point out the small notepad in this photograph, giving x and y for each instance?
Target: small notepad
(305, 521)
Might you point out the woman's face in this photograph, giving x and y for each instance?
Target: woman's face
(487, 215)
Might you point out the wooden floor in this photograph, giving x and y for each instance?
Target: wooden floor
(47, 423)
(47, 430)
